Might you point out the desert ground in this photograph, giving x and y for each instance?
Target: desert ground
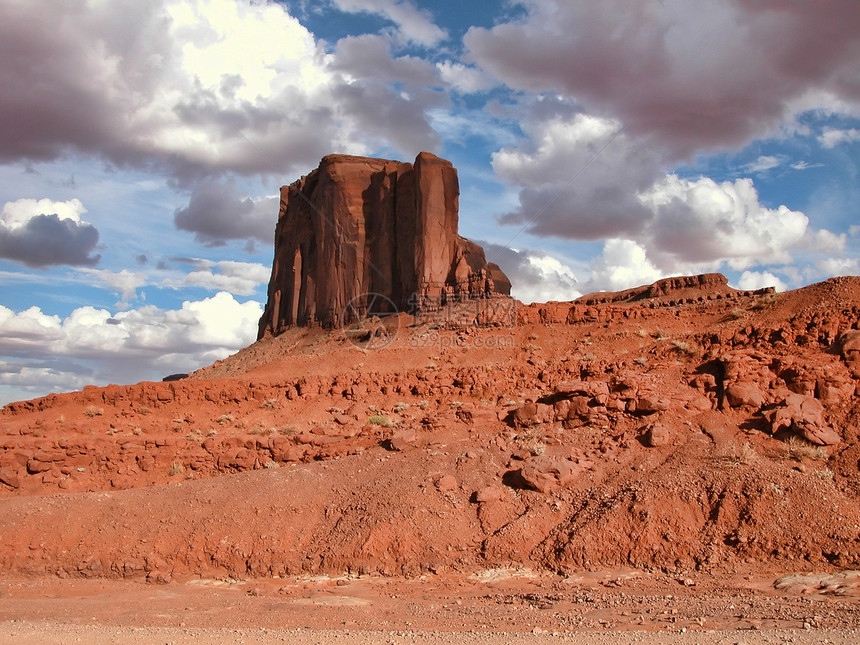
(679, 462)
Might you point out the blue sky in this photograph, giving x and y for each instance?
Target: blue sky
(600, 146)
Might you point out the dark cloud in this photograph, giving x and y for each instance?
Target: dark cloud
(190, 94)
(47, 240)
(703, 75)
(580, 175)
(216, 213)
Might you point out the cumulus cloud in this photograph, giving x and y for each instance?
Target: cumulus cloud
(50, 353)
(580, 176)
(827, 267)
(623, 264)
(384, 97)
(535, 276)
(466, 79)
(413, 25)
(690, 75)
(217, 212)
(752, 280)
(42, 232)
(193, 86)
(700, 221)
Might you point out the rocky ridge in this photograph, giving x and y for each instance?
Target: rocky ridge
(688, 432)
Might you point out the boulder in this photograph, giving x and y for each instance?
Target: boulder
(546, 474)
(10, 478)
(748, 395)
(850, 346)
(658, 435)
(803, 416)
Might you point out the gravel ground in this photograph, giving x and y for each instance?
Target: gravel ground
(48, 633)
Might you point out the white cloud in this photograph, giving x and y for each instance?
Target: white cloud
(43, 232)
(145, 343)
(702, 221)
(752, 280)
(240, 278)
(192, 86)
(535, 275)
(622, 265)
(463, 78)
(829, 267)
(832, 137)
(763, 163)
(804, 165)
(124, 282)
(413, 25)
(16, 215)
(823, 241)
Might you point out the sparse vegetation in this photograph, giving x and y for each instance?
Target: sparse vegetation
(269, 404)
(93, 411)
(684, 348)
(659, 334)
(176, 468)
(423, 404)
(271, 464)
(764, 302)
(401, 407)
(642, 333)
(143, 410)
(799, 449)
(825, 474)
(382, 421)
(224, 419)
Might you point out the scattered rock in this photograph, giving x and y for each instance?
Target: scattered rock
(10, 478)
(658, 435)
(402, 439)
(744, 395)
(446, 483)
(490, 494)
(546, 474)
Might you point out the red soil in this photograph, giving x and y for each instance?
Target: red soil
(674, 434)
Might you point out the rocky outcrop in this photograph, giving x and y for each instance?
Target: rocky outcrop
(357, 226)
(696, 288)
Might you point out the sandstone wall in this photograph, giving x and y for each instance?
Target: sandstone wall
(357, 226)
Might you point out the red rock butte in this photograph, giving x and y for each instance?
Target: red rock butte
(356, 226)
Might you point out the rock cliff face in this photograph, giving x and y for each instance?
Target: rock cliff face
(358, 226)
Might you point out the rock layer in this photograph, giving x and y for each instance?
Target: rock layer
(357, 228)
